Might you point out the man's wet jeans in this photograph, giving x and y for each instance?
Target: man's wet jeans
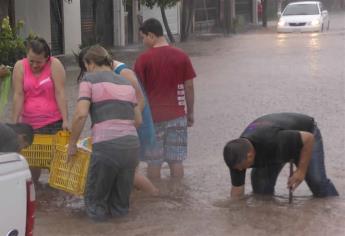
(264, 179)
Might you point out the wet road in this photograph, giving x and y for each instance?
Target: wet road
(239, 78)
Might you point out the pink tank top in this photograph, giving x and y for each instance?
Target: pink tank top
(40, 107)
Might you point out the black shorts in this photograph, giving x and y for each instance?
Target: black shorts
(52, 128)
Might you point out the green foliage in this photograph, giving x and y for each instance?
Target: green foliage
(160, 3)
(12, 47)
(5, 89)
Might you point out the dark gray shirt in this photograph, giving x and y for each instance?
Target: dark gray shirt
(8, 139)
(276, 140)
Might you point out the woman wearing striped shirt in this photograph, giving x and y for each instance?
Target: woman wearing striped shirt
(111, 102)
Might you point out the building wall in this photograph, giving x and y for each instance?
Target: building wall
(36, 17)
(72, 26)
(173, 16)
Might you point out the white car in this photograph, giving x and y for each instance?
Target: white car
(17, 199)
(309, 16)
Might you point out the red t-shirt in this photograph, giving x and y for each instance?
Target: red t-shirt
(163, 71)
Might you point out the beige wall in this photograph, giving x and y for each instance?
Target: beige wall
(36, 16)
(72, 26)
(119, 23)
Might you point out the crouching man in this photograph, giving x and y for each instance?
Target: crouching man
(271, 141)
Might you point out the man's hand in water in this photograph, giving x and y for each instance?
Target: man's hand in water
(296, 179)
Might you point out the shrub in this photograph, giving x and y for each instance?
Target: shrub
(12, 46)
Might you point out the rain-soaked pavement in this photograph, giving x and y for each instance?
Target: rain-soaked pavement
(239, 78)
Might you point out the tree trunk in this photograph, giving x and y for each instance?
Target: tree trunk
(166, 25)
(188, 7)
(264, 13)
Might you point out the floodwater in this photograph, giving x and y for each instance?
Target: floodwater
(239, 78)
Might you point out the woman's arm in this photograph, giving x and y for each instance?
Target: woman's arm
(138, 119)
(59, 77)
(130, 76)
(78, 123)
(18, 93)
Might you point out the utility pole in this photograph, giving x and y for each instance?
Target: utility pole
(227, 16)
(264, 13)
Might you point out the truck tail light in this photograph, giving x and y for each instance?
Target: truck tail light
(30, 208)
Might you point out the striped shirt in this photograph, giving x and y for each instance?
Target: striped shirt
(112, 100)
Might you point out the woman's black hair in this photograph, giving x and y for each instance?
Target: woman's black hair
(96, 54)
(79, 57)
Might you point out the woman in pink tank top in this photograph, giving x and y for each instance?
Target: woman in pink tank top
(39, 92)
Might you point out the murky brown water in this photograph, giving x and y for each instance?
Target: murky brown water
(239, 78)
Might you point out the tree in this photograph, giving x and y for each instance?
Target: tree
(188, 11)
(162, 4)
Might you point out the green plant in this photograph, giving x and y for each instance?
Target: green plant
(5, 88)
(12, 49)
(12, 46)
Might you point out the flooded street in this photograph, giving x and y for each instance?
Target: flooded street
(239, 78)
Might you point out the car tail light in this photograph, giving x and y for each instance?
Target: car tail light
(30, 208)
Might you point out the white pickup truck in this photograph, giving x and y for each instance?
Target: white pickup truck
(17, 197)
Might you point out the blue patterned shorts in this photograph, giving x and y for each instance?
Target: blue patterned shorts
(171, 142)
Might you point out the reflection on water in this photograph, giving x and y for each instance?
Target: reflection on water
(310, 57)
(258, 201)
(281, 40)
(314, 60)
(314, 42)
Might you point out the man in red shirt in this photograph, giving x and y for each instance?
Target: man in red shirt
(167, 76)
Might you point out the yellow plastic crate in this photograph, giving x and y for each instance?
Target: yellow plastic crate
(62, 138)
(42, 150)
(69, 176)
